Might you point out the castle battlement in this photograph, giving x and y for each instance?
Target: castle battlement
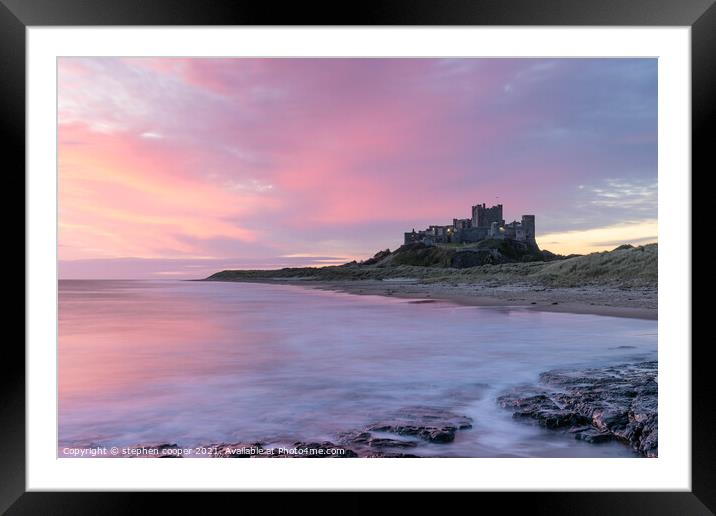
(485, 223)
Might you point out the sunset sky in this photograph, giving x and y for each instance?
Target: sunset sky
(177, 168)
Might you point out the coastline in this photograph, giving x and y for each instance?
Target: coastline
(634, 303)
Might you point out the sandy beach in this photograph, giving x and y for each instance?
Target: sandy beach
(638, 303)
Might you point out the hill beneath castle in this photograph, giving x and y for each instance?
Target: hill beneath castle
(486, 252)
(498, 262)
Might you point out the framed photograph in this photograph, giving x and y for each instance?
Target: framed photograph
(441, 248)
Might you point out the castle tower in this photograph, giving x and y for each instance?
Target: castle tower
(483, 217)
(474, 215)
(528, 225)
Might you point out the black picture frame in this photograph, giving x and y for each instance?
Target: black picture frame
(17, 15)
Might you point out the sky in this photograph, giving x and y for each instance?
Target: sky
(177, 168)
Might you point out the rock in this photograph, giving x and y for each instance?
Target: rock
(474, 258)
(441, 435)
(429, 424)
(378, 442)
(597, 405)
(527, 403)
(170, 451)
(410, 426)
(591, 435)
(367, 439)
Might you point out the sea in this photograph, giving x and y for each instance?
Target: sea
(198, 363)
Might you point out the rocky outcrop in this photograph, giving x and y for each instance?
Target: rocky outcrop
(394, 436)
(616, 403)
(595, 405)
(486, 252)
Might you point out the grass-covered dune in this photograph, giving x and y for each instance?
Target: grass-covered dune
(625, 266)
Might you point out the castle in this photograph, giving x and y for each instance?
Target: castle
(486, 223)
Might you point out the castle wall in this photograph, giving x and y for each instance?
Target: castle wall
(461, 223)
(470, 235)
(412, 237)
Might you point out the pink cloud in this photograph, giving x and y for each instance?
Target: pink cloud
(133, 197)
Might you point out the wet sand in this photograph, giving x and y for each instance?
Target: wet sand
(637, 303)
